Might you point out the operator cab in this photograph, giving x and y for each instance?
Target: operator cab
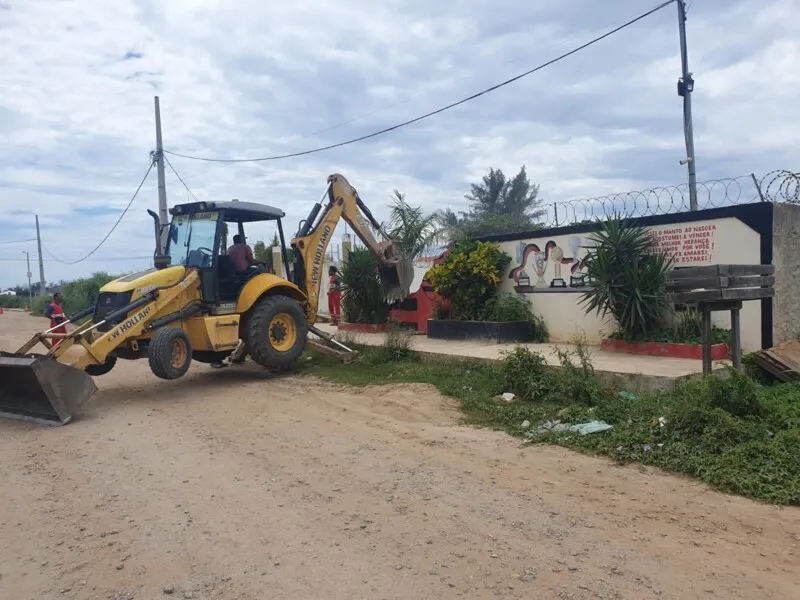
(197, 236)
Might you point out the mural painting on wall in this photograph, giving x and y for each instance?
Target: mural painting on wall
(552, 254)
(689, 245)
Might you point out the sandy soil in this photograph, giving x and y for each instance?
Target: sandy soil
(231, 484)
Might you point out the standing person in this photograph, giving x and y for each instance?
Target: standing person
(55, 312)
(334, 295)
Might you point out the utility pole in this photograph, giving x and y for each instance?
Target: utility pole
(162, 185)
(30, 287)
(41, 261)
(685, 89)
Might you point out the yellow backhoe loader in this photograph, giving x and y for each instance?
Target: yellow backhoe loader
(193, 305)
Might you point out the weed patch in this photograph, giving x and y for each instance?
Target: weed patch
(734, 434)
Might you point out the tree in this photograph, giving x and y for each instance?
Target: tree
(260, 251)
(453, 226)
(410, 228)
(501, 205)
(275, 241)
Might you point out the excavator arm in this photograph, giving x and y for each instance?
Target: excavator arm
(341, 200)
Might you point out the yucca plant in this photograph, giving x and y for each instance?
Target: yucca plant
(363, 297)
(627, 279)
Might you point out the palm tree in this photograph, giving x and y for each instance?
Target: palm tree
(411, 229)
(453, 226)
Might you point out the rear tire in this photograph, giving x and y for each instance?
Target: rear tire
(275, 332)
(97, 370)
(169, 353)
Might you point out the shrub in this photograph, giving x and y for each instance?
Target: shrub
(363, 298)
(15, 301)
(397, 347)
(441, 310)
(506, 307)
(82, 293)
(578, 381)
(469, 276)
(78, 294)
(627, 279)
(525, 374)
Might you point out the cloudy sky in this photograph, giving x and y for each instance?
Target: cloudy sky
(242, 78)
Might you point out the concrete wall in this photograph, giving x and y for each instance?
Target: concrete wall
(786, 258)
(553, 255)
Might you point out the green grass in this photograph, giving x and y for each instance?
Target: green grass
(735, 434)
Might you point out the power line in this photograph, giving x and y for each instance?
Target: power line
(103, 241)
(103, 258)
(439, 110)
(18, 241)
(181, 179)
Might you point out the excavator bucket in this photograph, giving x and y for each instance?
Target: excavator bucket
(396, 278)
(41, 389)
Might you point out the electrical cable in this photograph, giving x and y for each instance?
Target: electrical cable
(439, 110)
(18, 241)
(104, 258)
(181, 179)
(103, 241)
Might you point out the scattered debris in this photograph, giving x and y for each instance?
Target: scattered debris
(506, 397)
(781, 361)
(169, 590)
(525, 425)
(581, 428)
(659, 422)
(627, 395)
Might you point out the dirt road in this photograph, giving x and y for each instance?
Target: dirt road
(231, 484)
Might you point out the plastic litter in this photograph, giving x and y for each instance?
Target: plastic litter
(591, 427)
(581, 428)
(627, 395)
(506, 397)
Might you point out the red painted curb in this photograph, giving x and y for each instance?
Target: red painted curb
(363, 327)
(667, 350)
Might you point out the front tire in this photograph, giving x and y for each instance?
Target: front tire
(97, 370)
(169, 353)
(276, 331)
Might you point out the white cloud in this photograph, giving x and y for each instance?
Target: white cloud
(249, 78)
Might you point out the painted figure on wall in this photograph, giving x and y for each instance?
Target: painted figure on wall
(577, 276)
(539, 265)
(552, 253)
(557, 255)
(523, 279)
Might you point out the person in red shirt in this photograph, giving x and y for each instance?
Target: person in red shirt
(334, 295)
(241, 255)
(55, 312)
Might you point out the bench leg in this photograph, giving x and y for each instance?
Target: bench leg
(736, 339)
(706, 314)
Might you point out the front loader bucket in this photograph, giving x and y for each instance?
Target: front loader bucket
(41, 389)
(396, 279)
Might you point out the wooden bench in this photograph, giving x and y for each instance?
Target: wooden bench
(719, 288)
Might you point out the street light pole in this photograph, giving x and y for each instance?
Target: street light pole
(30, 287)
